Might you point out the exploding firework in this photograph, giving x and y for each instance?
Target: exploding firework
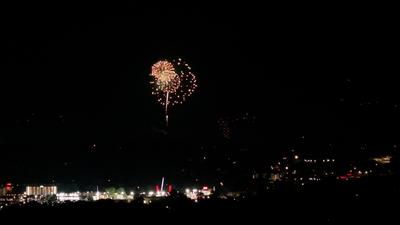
(172, 82)
(166, 79)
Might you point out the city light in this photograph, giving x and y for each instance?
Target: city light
(68, 196)
(383, 159)
(41, 190)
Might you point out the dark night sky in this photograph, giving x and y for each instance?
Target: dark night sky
(73, 78)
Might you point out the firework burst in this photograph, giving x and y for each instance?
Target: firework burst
(172, 82)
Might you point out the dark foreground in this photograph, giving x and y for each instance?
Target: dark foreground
(369, 201)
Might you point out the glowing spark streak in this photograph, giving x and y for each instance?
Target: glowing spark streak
(166, 107)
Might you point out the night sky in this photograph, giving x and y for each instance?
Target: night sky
(76, 104)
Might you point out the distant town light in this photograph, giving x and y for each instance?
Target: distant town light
(383, 160)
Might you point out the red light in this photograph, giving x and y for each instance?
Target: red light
(169, 188)
(8, 186)
(157, 188)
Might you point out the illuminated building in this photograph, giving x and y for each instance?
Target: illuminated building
(206, 191)
(383, 159)
(195, 194)
(41, 190)
(100, 196)
(68, 197)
